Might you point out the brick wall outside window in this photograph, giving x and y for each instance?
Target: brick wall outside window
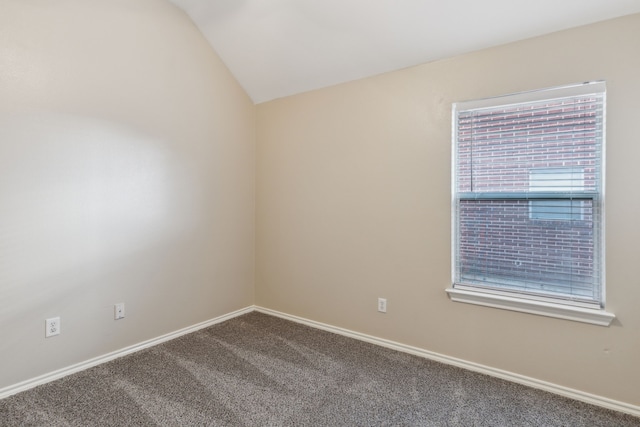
(499, 241)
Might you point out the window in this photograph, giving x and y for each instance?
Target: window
(528, 202)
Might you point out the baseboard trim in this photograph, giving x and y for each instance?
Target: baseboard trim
(476, 367)
(60, 373)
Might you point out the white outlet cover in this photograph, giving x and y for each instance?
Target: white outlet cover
(118, 311)
(52, 327)
(382, 305)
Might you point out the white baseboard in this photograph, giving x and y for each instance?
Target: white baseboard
(476, 367)
(487, 370)
(51, 376)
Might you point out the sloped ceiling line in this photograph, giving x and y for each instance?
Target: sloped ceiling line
(277, 48)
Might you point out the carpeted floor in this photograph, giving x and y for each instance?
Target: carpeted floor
(258, 370)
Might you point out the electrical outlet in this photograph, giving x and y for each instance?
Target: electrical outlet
(52, 327)
(382, 305)
(118, 311)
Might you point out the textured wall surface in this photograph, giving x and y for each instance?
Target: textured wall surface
(126, 175)
(354, 203)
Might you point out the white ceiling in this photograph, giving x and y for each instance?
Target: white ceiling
(277, 48)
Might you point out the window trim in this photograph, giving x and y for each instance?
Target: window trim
(511, 301)
(598, 317)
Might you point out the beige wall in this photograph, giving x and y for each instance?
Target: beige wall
(127, 155)
(127, 175)
(353, 203)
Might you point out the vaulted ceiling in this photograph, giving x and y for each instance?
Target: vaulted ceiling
(277, 48)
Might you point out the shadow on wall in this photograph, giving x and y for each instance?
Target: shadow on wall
(79, 193)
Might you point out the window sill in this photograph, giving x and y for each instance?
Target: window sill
(577, 314)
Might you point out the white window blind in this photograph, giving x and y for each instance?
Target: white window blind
(527, 195)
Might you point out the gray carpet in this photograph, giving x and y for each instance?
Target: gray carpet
(258, 370)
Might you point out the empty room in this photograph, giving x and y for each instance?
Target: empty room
(319, 213)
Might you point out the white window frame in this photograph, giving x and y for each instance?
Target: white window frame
(534, 304)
